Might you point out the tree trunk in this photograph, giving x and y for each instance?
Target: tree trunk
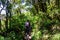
(6, 23)
(10, 19)
(0, 22)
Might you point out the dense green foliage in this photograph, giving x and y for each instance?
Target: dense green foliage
(45, 24)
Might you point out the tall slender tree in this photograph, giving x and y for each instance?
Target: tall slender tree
(0, 18)
(0, 12)
(6, 23)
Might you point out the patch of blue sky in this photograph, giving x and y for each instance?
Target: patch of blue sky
(3, 11)
(1, 6)
(23, 3)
